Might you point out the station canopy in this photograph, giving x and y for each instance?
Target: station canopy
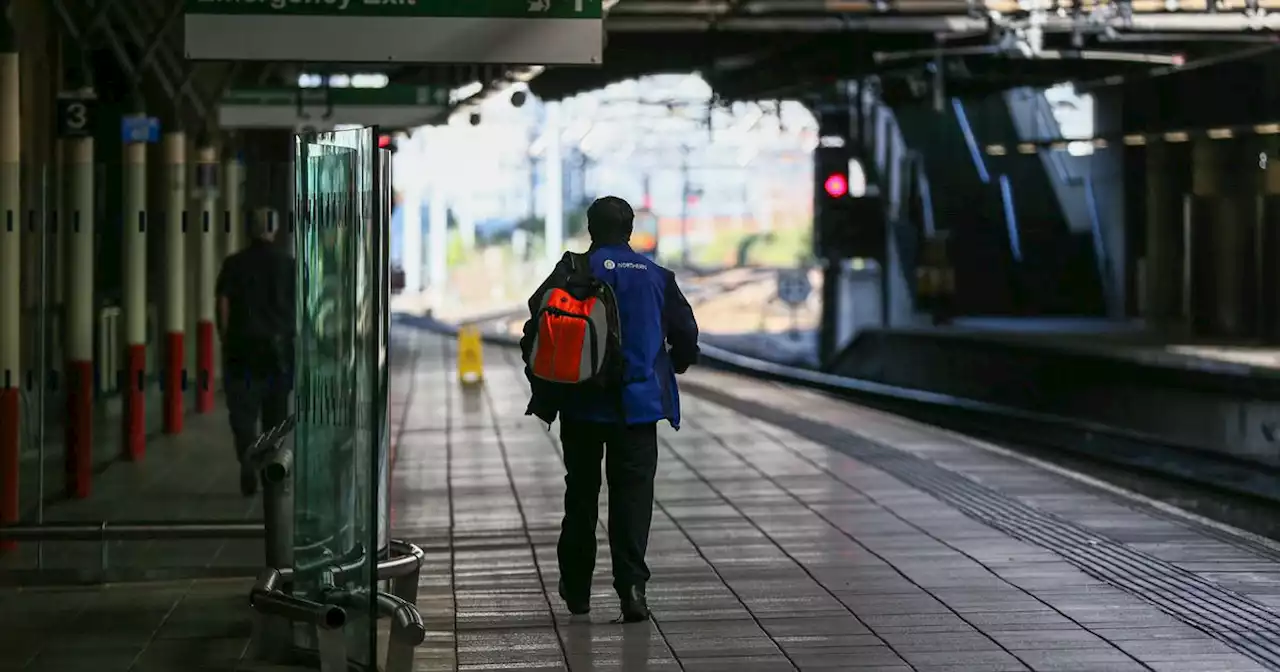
(745, 49)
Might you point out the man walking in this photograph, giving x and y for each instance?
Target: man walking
(659, 339)
(256, 292)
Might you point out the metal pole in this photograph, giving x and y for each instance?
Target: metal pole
(42, 365)
(553, 224)
(10, 273)
(407, 631)
(404, 571)
(684, 206)
(95, 531)
(277, 516)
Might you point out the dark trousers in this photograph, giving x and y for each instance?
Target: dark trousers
(630, 464)
(253, 398)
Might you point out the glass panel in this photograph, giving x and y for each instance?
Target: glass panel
(30, 456)
(341, 397)
(380, 288)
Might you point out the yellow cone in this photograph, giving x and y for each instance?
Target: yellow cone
(470, 356)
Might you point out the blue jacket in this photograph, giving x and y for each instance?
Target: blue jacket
(659, 340)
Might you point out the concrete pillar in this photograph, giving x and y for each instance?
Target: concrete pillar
(438, 243)
(1269, 241)
(233, 201)
(411, 248)
(466, 226)
(79, 309)
(1168, 181)
(207, 169)
(1227, 184)
(555, 187)
(175, 222)
(57, 275)
(134, 247)
(10, 276)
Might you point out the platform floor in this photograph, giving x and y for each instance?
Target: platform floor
(189, 476)
(797, 532)
(792, 531)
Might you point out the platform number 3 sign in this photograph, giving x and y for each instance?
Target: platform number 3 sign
(75, 117)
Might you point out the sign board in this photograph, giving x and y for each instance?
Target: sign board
(546, 32)
(135, 130)
(395, 106)
(75, 117)
(793, 286)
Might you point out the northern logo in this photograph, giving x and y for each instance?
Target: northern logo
(610, 264)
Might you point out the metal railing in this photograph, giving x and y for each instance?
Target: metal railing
(272, 457)
(275, 608)
(274, 612)
(273, 634)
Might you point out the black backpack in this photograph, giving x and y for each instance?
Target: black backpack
(579, 336)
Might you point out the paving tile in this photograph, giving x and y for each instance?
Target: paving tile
(769, 552)
(966, 659)
(862, 657)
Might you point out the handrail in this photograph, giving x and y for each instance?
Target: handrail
(270, 440)
(406, 559)
(403, 571)
(407, 627)
(409, 560)
(275, 610)
(106, 530)
(267, 598)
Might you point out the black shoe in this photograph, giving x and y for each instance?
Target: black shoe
(576, 606)
(248, 482)
(635, 607)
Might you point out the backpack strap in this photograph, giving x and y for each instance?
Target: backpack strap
(578, 263)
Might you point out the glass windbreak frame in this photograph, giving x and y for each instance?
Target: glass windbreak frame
(31, 385)
(380, 256)
(339, 371)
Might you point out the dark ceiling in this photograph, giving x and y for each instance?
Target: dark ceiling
(746, 49)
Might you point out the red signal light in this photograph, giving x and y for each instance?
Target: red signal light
(384, 141)
(837, 185)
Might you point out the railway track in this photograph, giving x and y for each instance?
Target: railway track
(1238, 492)
(698, 287)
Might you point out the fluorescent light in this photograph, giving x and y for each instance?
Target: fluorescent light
(464, 92)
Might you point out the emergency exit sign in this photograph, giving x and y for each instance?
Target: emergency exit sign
(541, 32)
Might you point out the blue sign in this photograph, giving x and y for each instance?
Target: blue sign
(140, 129)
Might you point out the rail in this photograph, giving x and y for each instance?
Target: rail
(1132, 449)
(402, 566)
(270, 454)
(407, 627)
(273, 457)
(275, 611)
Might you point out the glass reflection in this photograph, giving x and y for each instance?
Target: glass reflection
(340, 375)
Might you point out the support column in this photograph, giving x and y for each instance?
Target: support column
(10, 276)
(175, 215)
(1227, 183)
(207, 169)
(438, 243)
(554, 222)
(233, 201)
(134, 246)
(79, 312)
(1168, 178)
(1269, 242)
(466, 226)
(411, 235)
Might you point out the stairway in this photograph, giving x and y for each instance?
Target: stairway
(899, 176)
